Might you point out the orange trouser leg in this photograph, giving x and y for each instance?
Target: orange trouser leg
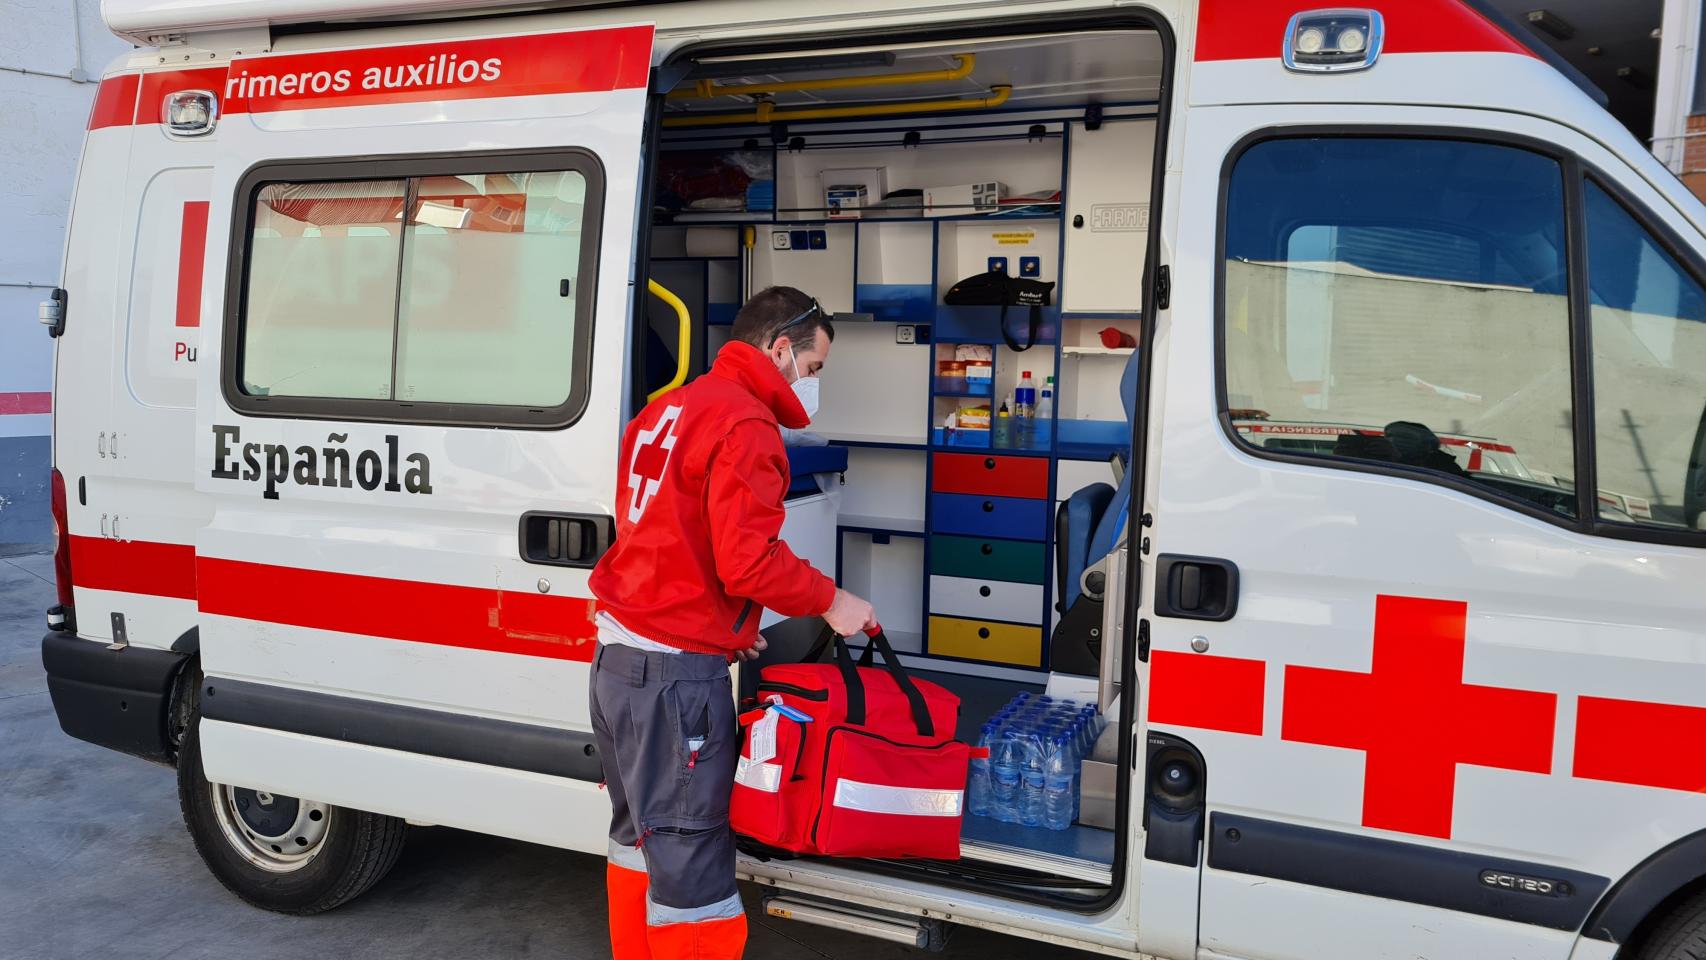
(627, 892)
(720, 939)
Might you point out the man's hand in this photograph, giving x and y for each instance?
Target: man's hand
(753, 652)
(848, 614)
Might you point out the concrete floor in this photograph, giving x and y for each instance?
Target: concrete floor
(95, 863)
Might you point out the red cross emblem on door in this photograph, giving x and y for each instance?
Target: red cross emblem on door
(651, 455)
(1415, 718)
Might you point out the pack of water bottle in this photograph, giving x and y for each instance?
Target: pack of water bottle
(1035, 745)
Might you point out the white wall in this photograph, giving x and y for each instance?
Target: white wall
(44, 44)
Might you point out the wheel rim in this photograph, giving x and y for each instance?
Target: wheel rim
(276, 833)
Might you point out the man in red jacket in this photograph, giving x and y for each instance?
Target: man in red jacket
(697, 559)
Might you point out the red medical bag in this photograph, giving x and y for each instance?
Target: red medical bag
(852, 760)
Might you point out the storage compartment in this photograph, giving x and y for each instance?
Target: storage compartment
(946, 517)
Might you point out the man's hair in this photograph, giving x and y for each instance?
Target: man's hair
(769, 313)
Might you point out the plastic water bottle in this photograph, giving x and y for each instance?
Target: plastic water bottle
(1004, 775)
(977, 783)
(1060, 784)
(1045, 405)
(1025, 396)
(1031, 782)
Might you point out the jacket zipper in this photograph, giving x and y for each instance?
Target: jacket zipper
(804, 693)
(740, 621)
(823, 779)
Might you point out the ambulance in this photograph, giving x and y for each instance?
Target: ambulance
(358, 295)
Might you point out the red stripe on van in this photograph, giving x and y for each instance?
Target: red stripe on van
(192, 250)
(20, 403)
(475, 618)
(1629, 741)
(115, 102)
(1214, 693)
(1255, 29)
(583, 61)
(135, 566)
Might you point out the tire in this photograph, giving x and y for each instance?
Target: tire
(280, 853)
(1681, 935)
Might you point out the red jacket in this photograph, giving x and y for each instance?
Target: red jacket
(699, 489)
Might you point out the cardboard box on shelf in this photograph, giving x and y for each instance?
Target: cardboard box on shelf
(844, 200)
(872, 180)
(964, 198)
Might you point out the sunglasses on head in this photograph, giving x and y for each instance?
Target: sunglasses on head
(809, 313)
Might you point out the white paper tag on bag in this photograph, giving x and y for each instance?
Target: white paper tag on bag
(762, 745)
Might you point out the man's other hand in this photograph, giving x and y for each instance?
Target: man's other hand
(849, 614)
(753, 652)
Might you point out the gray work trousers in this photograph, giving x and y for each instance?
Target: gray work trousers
(670, 803)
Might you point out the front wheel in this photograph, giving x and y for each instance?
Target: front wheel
(282, 853)
(1681, 935)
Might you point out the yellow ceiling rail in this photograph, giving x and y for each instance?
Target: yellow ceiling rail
(684, 338)
(767, 112)
(706, 89)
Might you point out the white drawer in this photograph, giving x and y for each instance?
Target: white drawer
(987, 599)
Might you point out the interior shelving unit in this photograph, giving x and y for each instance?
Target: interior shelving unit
(949, 530)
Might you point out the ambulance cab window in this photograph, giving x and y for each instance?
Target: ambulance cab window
(472, 305)
(1648, 319)
(1403, 302)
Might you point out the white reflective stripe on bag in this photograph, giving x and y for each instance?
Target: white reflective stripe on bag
(909, 801)
(759, 776)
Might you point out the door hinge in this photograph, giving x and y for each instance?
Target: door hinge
(1163, 287)
(51, 312)
(1143, 641)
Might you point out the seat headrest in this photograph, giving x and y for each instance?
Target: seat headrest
(1128, 387)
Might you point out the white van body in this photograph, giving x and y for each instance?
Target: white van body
(1441, 721)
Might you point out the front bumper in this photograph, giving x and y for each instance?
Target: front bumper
(115, 698)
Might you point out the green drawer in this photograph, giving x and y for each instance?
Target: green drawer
(1011, 560)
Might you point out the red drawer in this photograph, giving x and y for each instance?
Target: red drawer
(993, 476)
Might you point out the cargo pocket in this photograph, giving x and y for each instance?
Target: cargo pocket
(760, 808)
(689, 867)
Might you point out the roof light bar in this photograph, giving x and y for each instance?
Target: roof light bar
(1333, 41)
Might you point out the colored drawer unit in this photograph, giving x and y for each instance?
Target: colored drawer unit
(985, 640)
(991, 476)
(987, 599)
(1006, 518)
(976, 558)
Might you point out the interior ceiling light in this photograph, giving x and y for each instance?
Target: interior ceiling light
(1550, 23)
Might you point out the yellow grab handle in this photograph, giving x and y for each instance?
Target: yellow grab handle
(766, 112)
(684, 338)
(706, 89)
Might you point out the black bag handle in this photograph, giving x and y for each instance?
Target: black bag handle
(856, 687)
(1035, 321)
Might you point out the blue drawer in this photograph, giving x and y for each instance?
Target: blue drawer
(1010, 518)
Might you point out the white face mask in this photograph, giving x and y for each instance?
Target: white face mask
(805, 388)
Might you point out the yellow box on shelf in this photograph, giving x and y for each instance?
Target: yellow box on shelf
(986, 640)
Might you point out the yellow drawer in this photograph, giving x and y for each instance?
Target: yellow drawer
(986, 640)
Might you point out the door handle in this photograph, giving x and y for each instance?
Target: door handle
(1195, 588)
(565, 539)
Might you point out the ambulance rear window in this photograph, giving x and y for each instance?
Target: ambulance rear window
(476, 303)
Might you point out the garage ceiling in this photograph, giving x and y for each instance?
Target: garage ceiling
(1608, 36)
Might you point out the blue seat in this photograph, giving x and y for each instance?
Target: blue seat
(1090, 522)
